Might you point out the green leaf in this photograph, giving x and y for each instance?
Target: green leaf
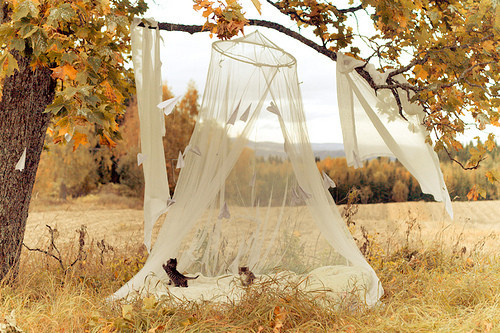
(83, 112)
(64, 13)
(24, 9)
(56, 106)
(31, 32)
(69, 92)
(95, 63)
(69, 57)
(82, 77)
(92, 100)
(105, 52)
(18, 44)
(39, 43)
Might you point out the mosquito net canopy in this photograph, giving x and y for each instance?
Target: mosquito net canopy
(243, 201)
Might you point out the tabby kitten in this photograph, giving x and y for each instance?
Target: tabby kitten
(246, 276)
(176, 278)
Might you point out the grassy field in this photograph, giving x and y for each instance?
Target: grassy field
(438, 276)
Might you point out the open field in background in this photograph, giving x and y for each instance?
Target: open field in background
(117, 224)
(431, 284)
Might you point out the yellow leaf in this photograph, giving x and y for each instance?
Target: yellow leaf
(257, 5)
(207, 12)
(111, 93)
(493, 176)
(9, 64)
(105, 7)
(149, 302)
(127, 310)
(37, 63)
(79, 139)
(489, 46)
(420, 72)
(157, 328)
(497, 17)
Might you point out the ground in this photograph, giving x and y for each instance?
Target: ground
(438, 275)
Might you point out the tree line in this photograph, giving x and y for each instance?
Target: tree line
(65, 173)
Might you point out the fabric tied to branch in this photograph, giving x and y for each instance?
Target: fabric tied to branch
(147, 68)
(372, 127)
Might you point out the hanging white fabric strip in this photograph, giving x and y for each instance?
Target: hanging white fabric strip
(372, 126)
(147, 68)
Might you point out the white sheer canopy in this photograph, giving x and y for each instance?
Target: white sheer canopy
(240, 201)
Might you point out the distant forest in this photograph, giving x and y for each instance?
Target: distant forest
(63, 173)
(385, 180)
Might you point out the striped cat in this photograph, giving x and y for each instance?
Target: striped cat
(176, 278)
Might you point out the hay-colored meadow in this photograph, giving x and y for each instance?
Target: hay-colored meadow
(439, 276)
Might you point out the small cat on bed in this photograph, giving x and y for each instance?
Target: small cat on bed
(246, 276)
(176, 278)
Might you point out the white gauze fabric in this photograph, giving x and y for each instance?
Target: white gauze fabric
(147, 67)
(241, 201)
(372, 126)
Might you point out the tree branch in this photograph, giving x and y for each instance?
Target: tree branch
(343, 11)
(191, 29)
(278, 27)
(473, 167)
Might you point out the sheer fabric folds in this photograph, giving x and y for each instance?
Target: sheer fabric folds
(242, 201)
(372, 126)
(147, 67)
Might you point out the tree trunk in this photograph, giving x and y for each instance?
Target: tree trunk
(23, 124)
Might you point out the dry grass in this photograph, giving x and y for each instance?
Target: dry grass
(430, 286)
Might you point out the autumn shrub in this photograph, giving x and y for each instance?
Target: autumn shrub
(131, 175)
(64, 173)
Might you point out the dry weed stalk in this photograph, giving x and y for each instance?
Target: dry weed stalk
(82, 232)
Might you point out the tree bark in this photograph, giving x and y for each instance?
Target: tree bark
(23, 124)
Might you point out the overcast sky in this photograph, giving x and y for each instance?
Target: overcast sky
(186, 57)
